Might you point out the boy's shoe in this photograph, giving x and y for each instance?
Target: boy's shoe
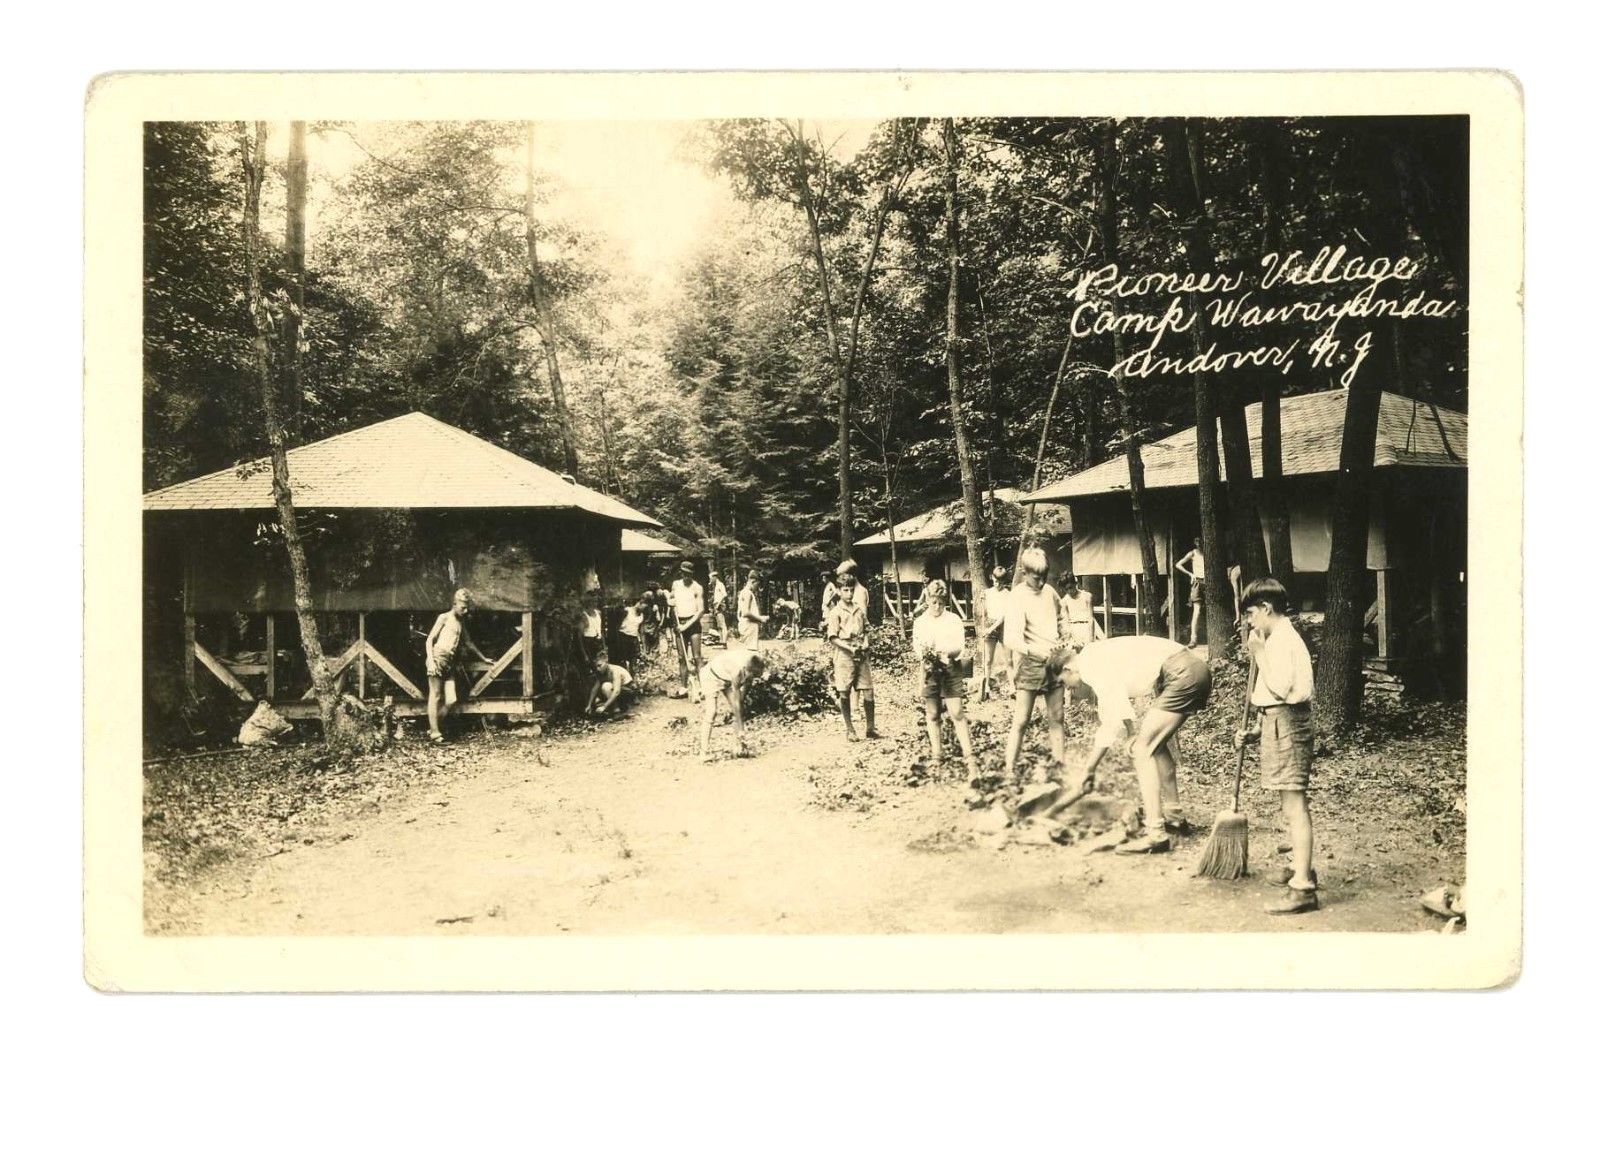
(1287, 874)
(1146, 845)
(435, 737)
(874, 734)
(1294, 900)
(1176, 822)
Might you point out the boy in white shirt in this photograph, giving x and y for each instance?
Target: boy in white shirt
(1034, 634)
(1112, 673)
(688, 602)
(939, 639)
(1282, 697)
(725, 677)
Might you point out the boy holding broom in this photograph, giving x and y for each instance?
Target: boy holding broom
(1282, 700)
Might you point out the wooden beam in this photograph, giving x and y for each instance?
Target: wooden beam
(220, 671)
(336, 668)
(392, 672)
(1172, 605)
(1385, 616)
(361, 659)
(496, 668)
(527, 654)
(188, 651)
(490, 706)
(1138, 617)
(1105, 602)
(272, 657)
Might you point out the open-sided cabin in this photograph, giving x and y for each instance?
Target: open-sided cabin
(1416, 540)
(394, 516)
(933, 546)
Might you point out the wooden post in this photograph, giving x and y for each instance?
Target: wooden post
(1105, 603)
(527, 655)
(272, 657)
(1138, 608)
(361, 660)
(188, 651)
(1385, 617)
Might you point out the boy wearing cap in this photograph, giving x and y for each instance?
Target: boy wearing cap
(688, 602)
(1282, 699)
(1111, 673)
(846, 630)
(442, 652)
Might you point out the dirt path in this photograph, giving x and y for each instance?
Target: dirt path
(624, 831)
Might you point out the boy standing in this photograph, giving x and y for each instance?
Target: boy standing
(750, 617)
(1282, 698)
(1033, 634)
(939, 641)
(725, 676)
(719, 607)
(688, 608)
(442, 651)
(628, 650)
(846, 628)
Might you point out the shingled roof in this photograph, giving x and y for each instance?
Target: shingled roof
(411, 461)
(946, 522)
(1411, 434)
(635, 541)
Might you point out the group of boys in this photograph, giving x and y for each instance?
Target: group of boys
(1052, 657)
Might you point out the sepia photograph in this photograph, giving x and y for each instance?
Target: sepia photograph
(1003, 514)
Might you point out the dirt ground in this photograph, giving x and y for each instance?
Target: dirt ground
(618, 828)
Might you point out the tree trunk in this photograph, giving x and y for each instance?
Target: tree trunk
(842, 353)
(952, 360)
(295, 245)
(544, 315)
(1269, 491)
(1149, 574)
(1338, 672)
(255, 166)
(894, 548)
(1184, 181)
(1038, 459)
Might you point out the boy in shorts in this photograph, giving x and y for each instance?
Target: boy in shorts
(1034, 633)
(724, 677)
(1111, 673)
(445, 660)
(939, 640)
(847, 637)
(613, 690)
(1282, 699)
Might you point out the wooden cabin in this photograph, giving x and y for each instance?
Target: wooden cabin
(933, 546)
(394, 516)
(1416, 541)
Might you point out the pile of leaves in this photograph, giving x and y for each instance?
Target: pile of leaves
(794, 683)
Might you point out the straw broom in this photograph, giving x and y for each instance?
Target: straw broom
(1227, 852)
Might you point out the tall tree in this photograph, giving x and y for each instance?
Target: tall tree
(1132, 433)
(253, 153)
(1182, 182)
(970, 502)
(1270, 161)
(545, 320)
(782, 161)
